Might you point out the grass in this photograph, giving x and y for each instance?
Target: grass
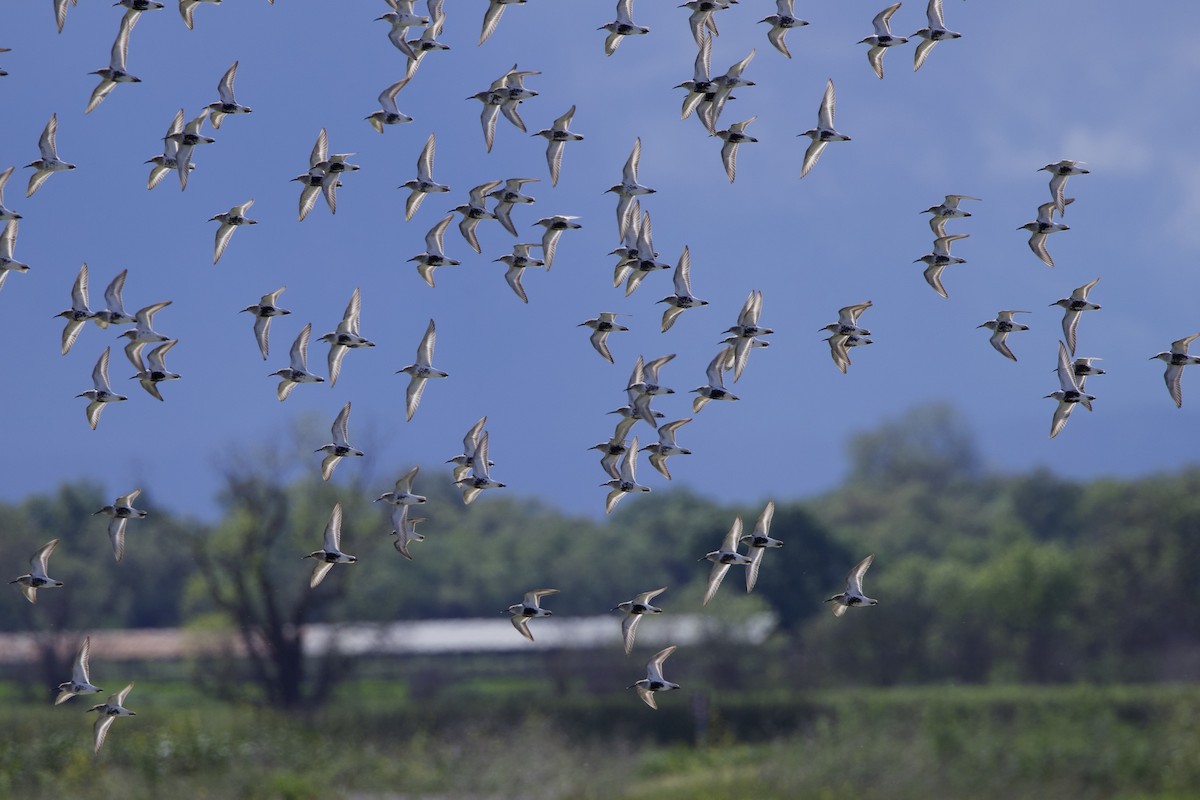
(1124, 742)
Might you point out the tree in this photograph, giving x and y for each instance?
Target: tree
(251, 570)
(930, 444)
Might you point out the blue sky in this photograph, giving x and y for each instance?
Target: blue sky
(1029, 83)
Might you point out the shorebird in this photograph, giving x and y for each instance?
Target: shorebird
(102, 394)
(424, 183)
(626, 483)
(1176, 360)
(701, 21)
(734, 136)
(114, 314)
(403, 495)
(434, 255)
(116, 71)
(297, 372)
(6, 214)
(508, 196)
(389, 114)
(709, 109)
(78, 314)
(155, 370)
(946, 210)
(491, 17)
(478, 478)
(554, 229)
(654, 680)
(227, 104)
(1042, 227)
(630, 251)
(724, 557)
(634, 610)
(683, 298)
(1083, 369)
(782, 21)
(168, 161)
(402, 17)
(49, 163)
(759, 540)
(1073, 306)
(612, 450)
(604, 324)
(492, 98)
(340, 447)
(647, 384)
(347, 336)
(824, 133)
(745, 332)
(329, 167)
(1059, 173)
(1001, 327)
(629, 188)
(8, 242)
(187, 10)
(621, 27)
(143, 333)
(331, 553)
(115, 707)
(939, 259)
(311, 183)
(558, 135)
(421, 371)
(512, 93)
(405, 530)
(427, 41)
(882, 39)
(529, 608)
(853, 595)
(666, 446)
(715, 388)
(642, 261)
(517, 262)
(1069, 395)
(463, 462)
(474, 210)
(187, 141)
(81, 676)
(38, 578)
(701, 85)
(230, 220)
(839, 344)
(266, 310)
(936, 32)
(121, 511)
(847, 324)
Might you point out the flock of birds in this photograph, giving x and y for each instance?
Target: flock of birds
(706, 97)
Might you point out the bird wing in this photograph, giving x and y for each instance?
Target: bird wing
(629, 627)
(116, 535)
(416, 387)
(714, 580)
(333, 530)
(299, 351)
(855, 578)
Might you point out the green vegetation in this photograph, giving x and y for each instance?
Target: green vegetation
(1034, 638)
(965, 742)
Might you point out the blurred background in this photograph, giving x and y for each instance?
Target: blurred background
(1037, 630)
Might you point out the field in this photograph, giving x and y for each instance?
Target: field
(493, 742)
